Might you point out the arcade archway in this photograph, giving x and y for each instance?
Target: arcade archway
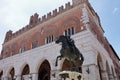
(44, 71)
(1, 74)
(12, 73)
(25, 71)
(100, 66)
(108, 70)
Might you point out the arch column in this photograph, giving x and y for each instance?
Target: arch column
(34, 76)
(17, 77)
(5, 75)
(1, 74)
(17, 73)
(104, 75)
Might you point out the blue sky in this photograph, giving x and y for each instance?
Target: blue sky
(15, 14)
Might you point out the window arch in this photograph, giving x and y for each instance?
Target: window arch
(69, 31)
(23, 46)
(34, 44)
(49, 39)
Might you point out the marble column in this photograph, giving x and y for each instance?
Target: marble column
(18, 77)
(34, 76)
(104, 75)
(5, 78)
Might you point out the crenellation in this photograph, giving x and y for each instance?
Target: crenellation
(36, 15)
(23, 29)
(55, 12)
(40, 20)
(13, 35)
(31, 20)
(9, 35)
(34, 19)
(67, 5)
(61, 9)
(49, 15)
(77, 2)
(20, 31)
(16, 32)
(27, 27)
(44, 18)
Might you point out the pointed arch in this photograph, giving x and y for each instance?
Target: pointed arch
(108, 70)
(100, 66)
(44, 71)
(1, 74)
(26, 70)
(12, 73)
(113, 72)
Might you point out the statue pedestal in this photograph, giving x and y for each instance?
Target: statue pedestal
(70, 75)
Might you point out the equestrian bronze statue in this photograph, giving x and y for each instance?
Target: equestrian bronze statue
(69, 51)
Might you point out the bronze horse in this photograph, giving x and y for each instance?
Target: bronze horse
(69, 51)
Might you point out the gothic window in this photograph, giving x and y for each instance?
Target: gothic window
(22, 49)
(69, 31)
(49, 39)
(52, 38)
(66, 32)
(72, 31)
(34, 44)
(23, 46)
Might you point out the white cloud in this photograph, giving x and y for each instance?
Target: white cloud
(115, 10)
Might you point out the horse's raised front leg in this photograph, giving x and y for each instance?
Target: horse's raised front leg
(56, 63)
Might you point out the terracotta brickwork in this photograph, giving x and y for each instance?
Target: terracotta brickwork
(79, 19)
(38, 30)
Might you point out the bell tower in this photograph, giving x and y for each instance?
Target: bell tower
(76, 2)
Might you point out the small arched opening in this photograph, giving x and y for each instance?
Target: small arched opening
(44, 71)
